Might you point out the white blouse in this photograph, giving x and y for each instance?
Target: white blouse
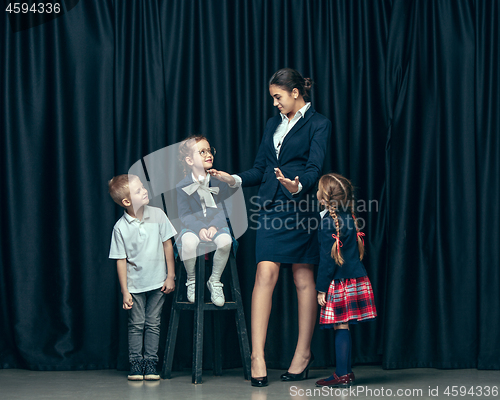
(279, 136)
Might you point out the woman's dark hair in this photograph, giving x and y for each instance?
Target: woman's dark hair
(289, 79)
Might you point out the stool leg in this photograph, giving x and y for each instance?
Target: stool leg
(166, 371)
(240, 319)
(217, 345)
(198, 320)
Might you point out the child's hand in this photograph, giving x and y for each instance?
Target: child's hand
(211, 232)
(203, 235)
(127, 301)
(222, 176)
(168, 285)
(322, 299)
(291, 186)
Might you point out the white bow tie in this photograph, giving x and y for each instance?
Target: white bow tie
(205, 192)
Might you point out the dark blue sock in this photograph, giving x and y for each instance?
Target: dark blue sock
(342, 346)
(349, 366)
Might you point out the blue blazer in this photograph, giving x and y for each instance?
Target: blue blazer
(328, 269)
(191, 211)
(302, 154)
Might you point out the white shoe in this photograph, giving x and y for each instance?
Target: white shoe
(217, 295)
(190, 290)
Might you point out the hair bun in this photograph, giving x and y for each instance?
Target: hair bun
(308, 83)
(289, 79)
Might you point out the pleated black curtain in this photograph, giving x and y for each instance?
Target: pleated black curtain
(412, 90)
(431, 269)
(441, 231)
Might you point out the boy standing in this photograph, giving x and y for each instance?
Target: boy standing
(140, 244)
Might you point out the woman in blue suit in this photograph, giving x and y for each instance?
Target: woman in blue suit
(287, 168)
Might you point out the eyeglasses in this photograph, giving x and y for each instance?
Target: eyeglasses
(206, 152)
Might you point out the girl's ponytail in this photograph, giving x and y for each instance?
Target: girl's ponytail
(359, 234)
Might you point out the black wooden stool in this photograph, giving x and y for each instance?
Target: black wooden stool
(199, 307)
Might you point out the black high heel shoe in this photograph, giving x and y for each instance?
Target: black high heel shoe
(259, 382)
(287, 376)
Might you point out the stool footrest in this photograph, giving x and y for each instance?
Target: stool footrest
(228, 305)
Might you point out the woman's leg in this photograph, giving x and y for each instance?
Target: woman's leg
(303, 276)
(265, 281)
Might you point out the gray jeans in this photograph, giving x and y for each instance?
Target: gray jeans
(144, 325)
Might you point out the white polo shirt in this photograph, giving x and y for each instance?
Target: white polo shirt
(141, 243)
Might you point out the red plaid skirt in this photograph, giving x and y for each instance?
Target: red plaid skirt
(348, 300)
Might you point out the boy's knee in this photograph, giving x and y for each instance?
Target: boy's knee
(136, 326)
(152, 323)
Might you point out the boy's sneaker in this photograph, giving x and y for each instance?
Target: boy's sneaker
(217, 295)
(136, 371)
(190, 290)
(150, 373)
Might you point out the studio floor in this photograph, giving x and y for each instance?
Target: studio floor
(371, 382)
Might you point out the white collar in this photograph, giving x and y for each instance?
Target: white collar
(300, 113)
(145, 215)
(203, 180)
(323, 213)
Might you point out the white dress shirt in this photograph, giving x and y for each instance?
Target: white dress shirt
(279, 135)
(286, 126)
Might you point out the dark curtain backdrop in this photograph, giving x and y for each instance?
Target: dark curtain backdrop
(411, 87)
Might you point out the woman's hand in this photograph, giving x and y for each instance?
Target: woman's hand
(322, 299)
(222, 176)
(291, 186)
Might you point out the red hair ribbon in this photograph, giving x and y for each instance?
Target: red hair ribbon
(338, 241)
(361, 234)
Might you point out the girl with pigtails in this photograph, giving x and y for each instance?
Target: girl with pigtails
(344, 291)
